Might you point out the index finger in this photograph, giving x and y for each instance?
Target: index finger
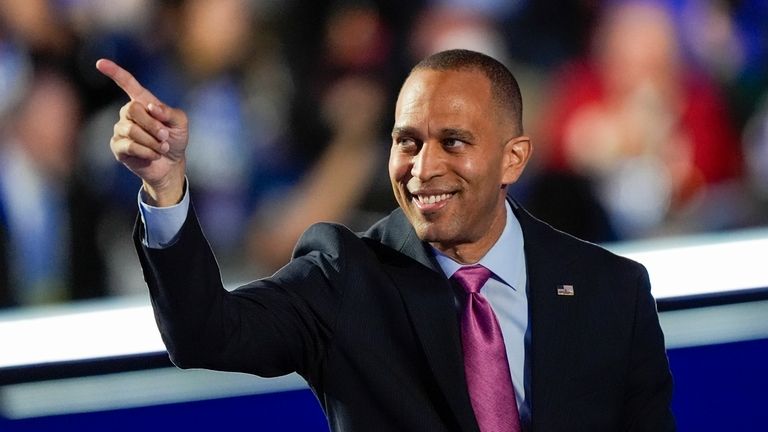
(126, 81)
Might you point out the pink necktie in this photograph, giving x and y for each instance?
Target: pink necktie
(485, 359)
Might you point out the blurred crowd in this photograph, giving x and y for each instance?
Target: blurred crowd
(649, 118)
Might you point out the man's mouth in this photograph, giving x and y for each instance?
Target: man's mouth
(431, 201)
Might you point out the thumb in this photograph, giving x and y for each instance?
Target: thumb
(169, 116)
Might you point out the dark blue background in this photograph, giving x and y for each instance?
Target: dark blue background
(717, 388)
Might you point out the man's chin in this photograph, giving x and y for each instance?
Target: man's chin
(428, 232)
(429, 227)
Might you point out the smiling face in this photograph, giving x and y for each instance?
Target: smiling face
(453, 152)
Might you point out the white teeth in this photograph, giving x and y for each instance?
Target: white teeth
(432, 199)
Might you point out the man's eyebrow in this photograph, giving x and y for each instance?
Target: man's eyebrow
(456, 133)
(403, 130)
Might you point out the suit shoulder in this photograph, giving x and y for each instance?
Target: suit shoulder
(592, 250)
(394, 224)
(574, 249)
(326, 237)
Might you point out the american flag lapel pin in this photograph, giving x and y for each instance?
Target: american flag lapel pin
(565, 290)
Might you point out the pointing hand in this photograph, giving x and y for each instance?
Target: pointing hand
(150, 138)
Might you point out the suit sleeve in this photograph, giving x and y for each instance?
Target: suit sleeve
(649, 389)
(269, 327)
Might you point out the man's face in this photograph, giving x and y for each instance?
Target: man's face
(452, 152)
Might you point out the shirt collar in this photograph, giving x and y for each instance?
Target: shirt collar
(509, 247)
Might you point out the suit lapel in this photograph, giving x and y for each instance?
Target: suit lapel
(552, 316)
(430, 302)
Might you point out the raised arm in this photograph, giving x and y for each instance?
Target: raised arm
(150, 138)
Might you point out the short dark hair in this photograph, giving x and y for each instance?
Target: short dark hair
(504, 87)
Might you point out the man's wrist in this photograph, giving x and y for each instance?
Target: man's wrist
(167, 193)
(162, 225)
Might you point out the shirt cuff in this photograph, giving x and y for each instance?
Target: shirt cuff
(162, 224)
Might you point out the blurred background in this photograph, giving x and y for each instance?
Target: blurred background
(649, 120)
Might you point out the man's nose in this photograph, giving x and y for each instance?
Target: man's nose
(429, 162)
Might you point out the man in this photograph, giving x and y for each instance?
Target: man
(570, 342)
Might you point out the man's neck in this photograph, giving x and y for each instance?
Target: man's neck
(472, 252)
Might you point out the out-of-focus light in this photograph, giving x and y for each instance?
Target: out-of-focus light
(704, 265)
(75, 335)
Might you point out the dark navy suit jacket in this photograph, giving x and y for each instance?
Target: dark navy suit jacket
(369, 320)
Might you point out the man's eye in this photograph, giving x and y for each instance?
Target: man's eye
(406, 142)
(453, 143)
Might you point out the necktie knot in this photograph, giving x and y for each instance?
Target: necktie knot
(472, 278)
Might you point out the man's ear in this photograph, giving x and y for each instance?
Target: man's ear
(517, 152)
